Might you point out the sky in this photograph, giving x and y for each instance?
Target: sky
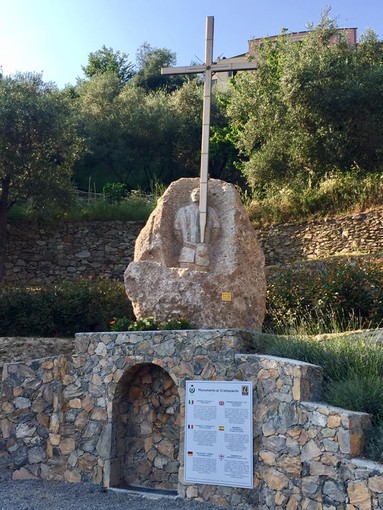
(55, 37)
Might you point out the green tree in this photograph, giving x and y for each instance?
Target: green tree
(107, 157)
(149, 63)
(187, 106)
(106, 60)
(310, 108)
(132, 135)
(223, 153)
(38, 146)
(138, 137)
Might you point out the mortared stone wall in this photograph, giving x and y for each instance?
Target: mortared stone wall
(113, 414)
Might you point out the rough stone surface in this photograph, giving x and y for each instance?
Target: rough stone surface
(38, 255)
(24, 348)
(360, 233)
(158, 287)
(118, 418)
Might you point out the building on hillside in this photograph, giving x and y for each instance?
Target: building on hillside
(348, 33)
(221, 79)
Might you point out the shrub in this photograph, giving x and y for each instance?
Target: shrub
(336, 294)
(115, 192)
(62, 310)
(148, 324)
(127, 324)
(176, 324)
(336, 193)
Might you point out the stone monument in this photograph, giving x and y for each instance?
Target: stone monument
(200, 260)
(195, 254)
(219, 283)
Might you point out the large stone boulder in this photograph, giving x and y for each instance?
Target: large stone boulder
(223, 287)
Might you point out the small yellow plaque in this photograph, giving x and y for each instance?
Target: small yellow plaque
(226, 296)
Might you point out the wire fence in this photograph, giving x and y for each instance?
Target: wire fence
(91, 197)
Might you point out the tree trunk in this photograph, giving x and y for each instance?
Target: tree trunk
(3, 241)
(3, 226)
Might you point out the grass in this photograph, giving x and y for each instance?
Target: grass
(315, 322)
(137, 207)
(297, 202)
(342, 357)
(353, 375)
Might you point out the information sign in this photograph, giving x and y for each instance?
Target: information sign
(219, 433)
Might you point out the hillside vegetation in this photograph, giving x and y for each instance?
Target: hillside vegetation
(301, 136)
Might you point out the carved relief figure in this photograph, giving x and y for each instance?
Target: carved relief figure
(195, 254)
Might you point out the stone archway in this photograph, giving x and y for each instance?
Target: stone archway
(145, 430)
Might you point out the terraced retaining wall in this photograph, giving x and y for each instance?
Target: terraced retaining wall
(113, 414)
(105, 248)
(360, 233)
(68, 250)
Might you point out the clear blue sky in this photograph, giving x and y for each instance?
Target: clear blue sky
(56, 36)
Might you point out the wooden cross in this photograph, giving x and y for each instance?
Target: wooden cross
(208, 69)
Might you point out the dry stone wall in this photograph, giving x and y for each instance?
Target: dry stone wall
(360, 233)
(82, 417)
(105, 248)
(68, 250)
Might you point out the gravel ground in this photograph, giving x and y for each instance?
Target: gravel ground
(43, 495)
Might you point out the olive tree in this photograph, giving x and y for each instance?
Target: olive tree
(38, 146)
(310, 108)
(106, 60)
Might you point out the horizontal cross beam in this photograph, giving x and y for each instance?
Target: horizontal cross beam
(208, 69)
(215, 68)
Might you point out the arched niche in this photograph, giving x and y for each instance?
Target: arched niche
(145, 430)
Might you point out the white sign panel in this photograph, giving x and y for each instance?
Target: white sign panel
(219, 433)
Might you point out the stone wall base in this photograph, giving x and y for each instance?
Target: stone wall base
(113, 413)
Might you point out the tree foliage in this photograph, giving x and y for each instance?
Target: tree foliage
(150, 60)
(139, 137)
(310, 107)
(106, 60)
(38, 145)
(133, 136)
